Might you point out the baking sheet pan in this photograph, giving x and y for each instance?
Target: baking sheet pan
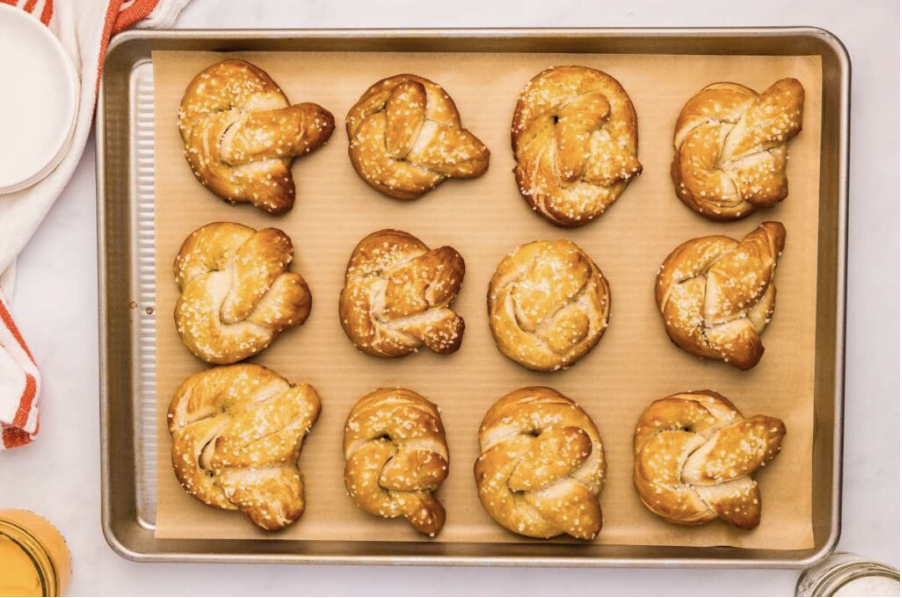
(465, 544)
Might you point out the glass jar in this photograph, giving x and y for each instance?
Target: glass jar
(848, 574)
(34, 558)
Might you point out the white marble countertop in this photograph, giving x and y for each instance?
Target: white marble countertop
(56, 308)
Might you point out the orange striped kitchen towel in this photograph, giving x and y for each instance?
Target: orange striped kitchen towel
(20, 382)
(85, 28)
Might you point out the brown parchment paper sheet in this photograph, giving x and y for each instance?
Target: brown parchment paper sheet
(484, 219)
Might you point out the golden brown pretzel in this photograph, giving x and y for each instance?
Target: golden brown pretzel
(397, 457)
(575, 138)
(241, 134)
(549, 305)
(237, 293)
(406, 137)
(717, 295)
(541, 465)
(695, 455)
(397, 296)
(237, 432)
(731, 147)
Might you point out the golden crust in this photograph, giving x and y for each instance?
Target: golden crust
(731, 147)
(549, 305)
(575, 138)
(237, 293)
(397, 457)
(406, 138)
(717, 295)
(541, 465)
(237, 432)
(397, 296)
(241, 134)
(695, 455)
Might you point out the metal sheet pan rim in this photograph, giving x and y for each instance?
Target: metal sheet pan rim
(477, 32)
(106, 404)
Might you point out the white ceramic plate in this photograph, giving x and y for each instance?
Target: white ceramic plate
(39, 101)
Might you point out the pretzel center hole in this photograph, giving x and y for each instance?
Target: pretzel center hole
(556, 118)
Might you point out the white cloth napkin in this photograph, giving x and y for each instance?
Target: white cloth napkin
(85, 28)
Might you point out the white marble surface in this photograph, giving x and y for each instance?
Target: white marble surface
(56, 307)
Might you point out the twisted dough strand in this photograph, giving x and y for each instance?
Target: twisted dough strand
(237, 293)
(731, 147)
(549, 305)
(397, 457)
(575, 137)
(241, 134)
(695, 454)
(717, 295)
(406, 138)
(541, 465)
(397, 296)
(237, 432)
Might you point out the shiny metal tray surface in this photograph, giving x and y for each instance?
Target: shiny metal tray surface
(125, 196)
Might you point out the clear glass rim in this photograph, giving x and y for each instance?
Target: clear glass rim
(843, 574)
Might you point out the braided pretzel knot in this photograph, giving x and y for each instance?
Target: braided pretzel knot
(237, 292)
(731, 147)
(237, 432)
(541, 467)
(241, 134)
(397, 295)
(549, 305)
(397, 457)
(575, 138)
(406, 137)
(695, 454)
(717, 294)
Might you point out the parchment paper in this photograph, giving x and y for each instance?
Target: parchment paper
(484, 219)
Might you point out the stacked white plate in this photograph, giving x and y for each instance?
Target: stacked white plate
(38, 100)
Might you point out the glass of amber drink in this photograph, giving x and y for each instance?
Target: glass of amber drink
(34, 558)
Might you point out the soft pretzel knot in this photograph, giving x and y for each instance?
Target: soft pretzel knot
(575, 137)
(241, 134)
(237, 291)
(731, 147)
(397, 457)
(549, 305)
(695, 455)
(397, 296)
(406, 137)
(717, 294)
(541, 465)
(237, 432)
